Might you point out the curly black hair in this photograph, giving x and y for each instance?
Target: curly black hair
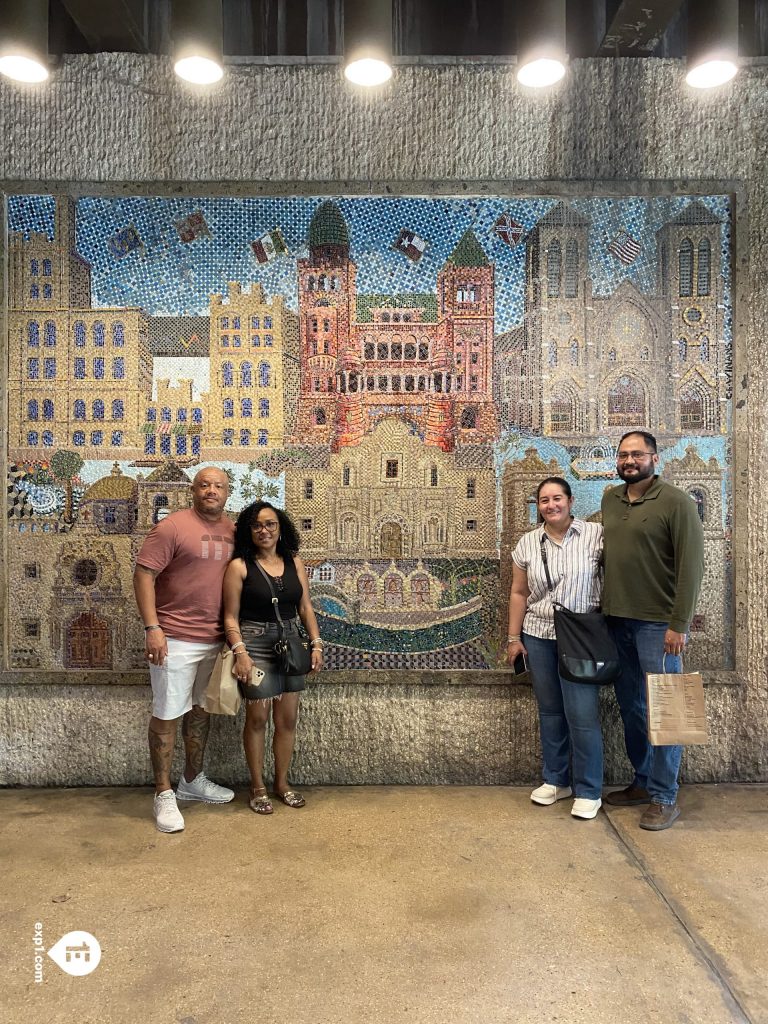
(288, 539)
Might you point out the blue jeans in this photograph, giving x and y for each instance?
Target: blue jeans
(641, 650)
(569, 722)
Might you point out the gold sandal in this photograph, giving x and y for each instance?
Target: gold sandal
(260, 804)
(291, 798)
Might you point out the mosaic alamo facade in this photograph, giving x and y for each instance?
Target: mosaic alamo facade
(399, 372)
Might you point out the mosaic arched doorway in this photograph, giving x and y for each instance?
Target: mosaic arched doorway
(391, 541)
(89, 644)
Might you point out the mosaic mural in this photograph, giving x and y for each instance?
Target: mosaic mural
(399, 373)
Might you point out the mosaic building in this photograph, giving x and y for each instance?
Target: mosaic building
(590, 364)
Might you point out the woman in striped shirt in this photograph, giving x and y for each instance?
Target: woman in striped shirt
(569, 719)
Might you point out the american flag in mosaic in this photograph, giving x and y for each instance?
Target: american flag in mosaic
(624, 247)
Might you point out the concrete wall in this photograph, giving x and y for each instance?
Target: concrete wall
(122, 123)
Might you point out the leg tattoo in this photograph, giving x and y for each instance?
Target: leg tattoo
(194, 729)
(162, 740)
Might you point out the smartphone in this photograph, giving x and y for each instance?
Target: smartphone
(520, 666)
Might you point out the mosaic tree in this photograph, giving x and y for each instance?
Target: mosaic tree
(64, 466)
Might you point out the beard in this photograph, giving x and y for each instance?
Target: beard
(636, 473)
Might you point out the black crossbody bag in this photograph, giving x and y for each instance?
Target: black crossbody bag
(586, 652)
(294, 657)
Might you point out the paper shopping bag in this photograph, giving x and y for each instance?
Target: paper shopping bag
(676, 711)
(222, 696)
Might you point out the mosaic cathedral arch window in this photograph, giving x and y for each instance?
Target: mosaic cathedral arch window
(571, 282)
(554, 269)
(626, 402)
(685, 267)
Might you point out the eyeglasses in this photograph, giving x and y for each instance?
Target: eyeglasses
(272, 525)
(623, 456)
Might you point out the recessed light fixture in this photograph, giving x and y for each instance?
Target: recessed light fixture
(541, 56)
(368, 41)
(24, 40)
(198, 32)
(713, 42)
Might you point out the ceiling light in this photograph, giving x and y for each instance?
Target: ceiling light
(368, 41)
(541, 72)
(713, 42)
(197, 33)
(24, 40)
(711, 73)
(541, 56)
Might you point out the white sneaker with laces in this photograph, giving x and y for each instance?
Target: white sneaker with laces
(201, 788)
(585, 808)
(547, 794)
(167, 814)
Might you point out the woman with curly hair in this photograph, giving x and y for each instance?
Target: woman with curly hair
(266, 541)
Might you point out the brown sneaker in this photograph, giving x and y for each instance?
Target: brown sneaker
(659, 816)
(629, 797)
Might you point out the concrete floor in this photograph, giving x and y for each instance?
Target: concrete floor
(388, 905)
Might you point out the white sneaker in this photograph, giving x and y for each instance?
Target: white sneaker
(167, 814)
(546, 794)
(202, 789)
(584, 808)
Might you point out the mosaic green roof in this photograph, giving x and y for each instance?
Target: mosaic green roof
(328, 226)
(426, 301)
(468, 252)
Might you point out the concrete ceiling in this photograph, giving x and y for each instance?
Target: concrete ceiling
(605, 28)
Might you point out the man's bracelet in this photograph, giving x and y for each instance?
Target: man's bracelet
(148, 628)
(513, 639)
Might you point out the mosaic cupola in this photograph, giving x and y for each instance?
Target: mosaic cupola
(328, 236)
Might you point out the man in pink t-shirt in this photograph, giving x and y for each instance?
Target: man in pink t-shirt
(177, 582)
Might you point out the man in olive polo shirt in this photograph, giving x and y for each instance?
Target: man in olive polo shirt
(654, 563)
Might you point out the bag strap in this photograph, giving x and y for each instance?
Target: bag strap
(275, 599)
(545, 560)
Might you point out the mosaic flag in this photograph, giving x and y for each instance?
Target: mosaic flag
(624, 247)
(192, 227)
(124, 241)
(410, 244)
(508, 230)
(269, 246)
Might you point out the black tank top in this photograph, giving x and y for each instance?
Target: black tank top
(256, 600)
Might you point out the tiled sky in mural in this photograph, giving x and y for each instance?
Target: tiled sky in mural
(170, 277)
(405, 434)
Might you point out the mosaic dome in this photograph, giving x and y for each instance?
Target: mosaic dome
(328, 226)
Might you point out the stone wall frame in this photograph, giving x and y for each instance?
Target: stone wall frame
(463, 189)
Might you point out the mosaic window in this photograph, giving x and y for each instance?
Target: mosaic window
(422, 393)
(685, 260)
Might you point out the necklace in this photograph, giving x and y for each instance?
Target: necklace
(278, 580)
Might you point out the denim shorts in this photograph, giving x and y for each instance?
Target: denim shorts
(260, 639)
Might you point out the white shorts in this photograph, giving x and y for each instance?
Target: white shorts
(181, 680)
